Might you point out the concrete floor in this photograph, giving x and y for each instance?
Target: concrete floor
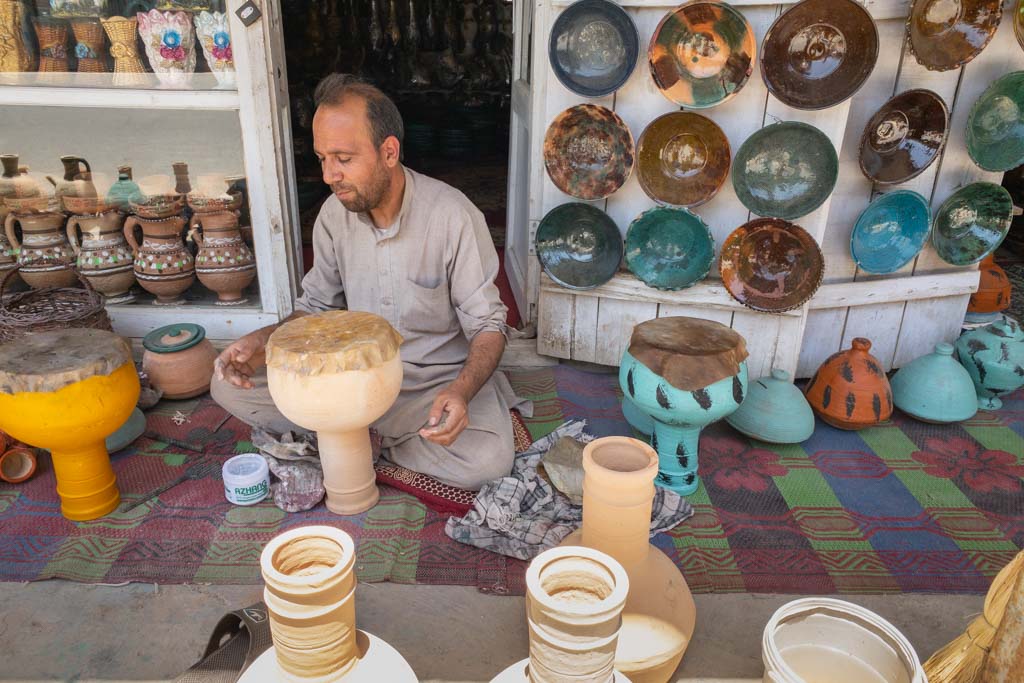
(63, 631)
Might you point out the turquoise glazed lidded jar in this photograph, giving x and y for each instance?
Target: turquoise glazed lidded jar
(994, 357)
(935, 388)
(774, 411)
(125, 190)
(679, 375)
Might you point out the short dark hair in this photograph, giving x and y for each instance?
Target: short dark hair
(381, 112)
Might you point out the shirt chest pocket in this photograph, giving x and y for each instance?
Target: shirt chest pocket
(426, 309)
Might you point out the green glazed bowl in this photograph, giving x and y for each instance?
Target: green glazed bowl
(785, 170)
(579, 246)
(972, 223)
(669, 248)
(995, 126)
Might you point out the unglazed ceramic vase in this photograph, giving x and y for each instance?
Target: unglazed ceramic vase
(850, 390)
(994, 357)
(972, 223)
(310, 587)
(104, 258)
(336, 373)
(224, 264)
(774, 410)
(995, 125)
(163, 266)
(994, 289)
(818, 53)
(935, 388)
(669, 248)
(179, 360)
(76, 182)
(578, 246)
(215, 39)
(682, 159)
(15, 182)
(683, 373)
(588, 152)
(15, 55)
(890, 232)
(904, 137)
(574, 601)
(170, 46)
(593, 47)
(45, 258)
(69, 403)
(123, 33)
(946, 34)
(660, 615)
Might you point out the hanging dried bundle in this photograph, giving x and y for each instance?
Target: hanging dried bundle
(961, 661)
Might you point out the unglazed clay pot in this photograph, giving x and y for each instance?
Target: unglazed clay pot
(850, 389)
(224, 264)
(994, 357)
(574, 601)
(310, 597)
(67, 391)
(163, 266)
(17, 464)
(935, 388)
(44, 256)
(994, 289)
(659, 616)
(683, 374)
(336, 373)
(104, 258)
(179, 360)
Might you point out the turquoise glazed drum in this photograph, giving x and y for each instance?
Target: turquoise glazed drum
(669, 248)
(994, 358)
(935, 388)
(972, 223)
(774, 411)
(995, 126)
(579, 246)
(677, 376)
(890, 232)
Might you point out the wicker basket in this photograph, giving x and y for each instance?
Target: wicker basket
(50, 308)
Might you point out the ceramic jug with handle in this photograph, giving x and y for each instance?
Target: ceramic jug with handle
(45, 258)
(104, 258)
(224, 264)
(163, 266)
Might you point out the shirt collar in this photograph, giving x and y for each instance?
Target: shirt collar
(402, 211)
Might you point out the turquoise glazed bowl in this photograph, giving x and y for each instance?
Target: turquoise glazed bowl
(935, 388)
(669, 248)
(579, 246)
(995, 126)
(972, 223)
(785, 170)
(994, 358)
(676, 417)
(890, 232)
(774, 411)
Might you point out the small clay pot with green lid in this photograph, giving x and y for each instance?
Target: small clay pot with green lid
(179, 360)
(774, 411)
(935, 388)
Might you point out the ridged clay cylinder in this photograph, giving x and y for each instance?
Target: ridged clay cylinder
(659, 617)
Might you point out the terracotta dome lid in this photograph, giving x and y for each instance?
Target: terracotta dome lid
(689, 353)
(49, 361)
(174, 338)
(333, 341)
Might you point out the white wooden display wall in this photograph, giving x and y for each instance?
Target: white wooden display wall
(904, 314)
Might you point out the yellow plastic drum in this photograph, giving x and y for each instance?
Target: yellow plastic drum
(67, 391)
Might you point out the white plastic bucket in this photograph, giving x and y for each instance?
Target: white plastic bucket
(821, 640)
(246, 479)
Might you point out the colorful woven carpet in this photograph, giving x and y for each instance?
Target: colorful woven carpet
(904, 507)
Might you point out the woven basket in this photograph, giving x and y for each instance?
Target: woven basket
(51, 308)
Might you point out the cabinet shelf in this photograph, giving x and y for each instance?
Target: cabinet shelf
(118, 98)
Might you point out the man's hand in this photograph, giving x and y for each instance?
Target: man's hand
(240, 361)
(448, 417)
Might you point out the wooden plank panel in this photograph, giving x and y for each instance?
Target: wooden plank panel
(615, 323)
(555, 324)
(584, 337)
(928, 322)
(761, 332)
(719, 316)
(823, 335)
(875, 292)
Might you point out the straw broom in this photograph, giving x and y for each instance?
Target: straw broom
(961, 661)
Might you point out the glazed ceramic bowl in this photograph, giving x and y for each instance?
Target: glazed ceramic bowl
(682, 159)
(819, 52)
(785, 170)
(594, 47)
(771, 265)
(890, 232)
(995, 126)
(669, 248)
(579, 246)
(588, 152)
(209, 204)
(946, 34)
(157, 206)
(904, 137)
(702, 54)
(972, 223)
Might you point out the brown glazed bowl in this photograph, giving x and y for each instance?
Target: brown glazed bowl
(946, 34)
(904, 137)
(771, 265)
(588, 152)
(702, 53)
(819, 52)
(682, 159)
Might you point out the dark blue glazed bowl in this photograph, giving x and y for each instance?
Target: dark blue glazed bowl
(594, 47)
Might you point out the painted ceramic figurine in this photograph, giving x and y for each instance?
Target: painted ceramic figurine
(994, 358)
(678, 376)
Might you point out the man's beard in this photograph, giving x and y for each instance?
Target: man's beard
(370, 197)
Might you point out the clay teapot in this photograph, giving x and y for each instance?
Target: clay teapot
(15, 181)
(76, 183)
(994, 358)
(179, 360)
(225, 263)
(850, 390)
(163, 266)
(45, 258)
(104, 258)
